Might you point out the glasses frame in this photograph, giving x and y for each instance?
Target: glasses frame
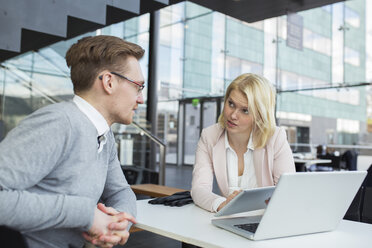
(140, 86)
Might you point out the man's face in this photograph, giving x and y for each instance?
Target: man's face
(127, 95)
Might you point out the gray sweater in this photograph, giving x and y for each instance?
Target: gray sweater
(52, 177)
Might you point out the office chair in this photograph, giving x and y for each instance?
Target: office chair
(351, 159)
(361, 207)
(368, 180)
(367, 206)
(355, 209)
(366, 214)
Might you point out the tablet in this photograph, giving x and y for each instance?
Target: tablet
(247, 200)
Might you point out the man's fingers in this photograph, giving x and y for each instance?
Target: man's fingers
(124, 240)
(112, 239)
(119, 216)
(124, 236)
(106, 245)
(101, 206)
(103, 245)
(106, 241)
(118, 237)
(119, 225)
(125, 216)
(107, 210)
(88, 237)
(93, 239)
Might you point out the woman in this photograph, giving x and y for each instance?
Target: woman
(244, 149)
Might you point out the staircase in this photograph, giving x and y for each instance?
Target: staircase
(32, 24)
(27, 25)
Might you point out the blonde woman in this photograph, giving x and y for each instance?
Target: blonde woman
(244, 149)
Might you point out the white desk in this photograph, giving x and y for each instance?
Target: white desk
(308, 162)
(191, 224)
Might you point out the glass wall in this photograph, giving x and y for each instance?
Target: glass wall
(38, 78)
(29, 82)
(316, 71)
(311, 102)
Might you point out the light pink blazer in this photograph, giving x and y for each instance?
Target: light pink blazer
(269, 163)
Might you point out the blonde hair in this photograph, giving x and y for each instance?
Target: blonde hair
(260, 94)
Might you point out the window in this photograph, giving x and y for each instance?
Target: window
(351, 17)
(236, 66)
(352, 56)
(347, 126)
(317, 42)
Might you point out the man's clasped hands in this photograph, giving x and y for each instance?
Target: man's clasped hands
(109, 227)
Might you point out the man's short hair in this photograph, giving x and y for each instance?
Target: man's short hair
(90, 55)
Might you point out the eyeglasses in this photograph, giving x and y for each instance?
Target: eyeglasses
(140, 86)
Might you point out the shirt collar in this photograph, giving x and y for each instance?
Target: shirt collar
(249, 145)
(93, 115)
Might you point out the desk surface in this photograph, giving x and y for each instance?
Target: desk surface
(154, 190)
(191, 224)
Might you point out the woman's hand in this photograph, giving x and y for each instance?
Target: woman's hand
(228, 199)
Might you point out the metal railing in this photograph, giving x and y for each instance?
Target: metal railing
(162, 151)
(24, 80)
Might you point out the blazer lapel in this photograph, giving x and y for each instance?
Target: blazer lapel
(219, 164)
(258, 161)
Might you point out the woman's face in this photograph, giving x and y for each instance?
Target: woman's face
(237, 117)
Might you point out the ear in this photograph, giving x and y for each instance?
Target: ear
(107, 82)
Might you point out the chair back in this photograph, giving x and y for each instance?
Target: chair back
(354, 211)
(367, 206)
(368, 180)
(361, 207)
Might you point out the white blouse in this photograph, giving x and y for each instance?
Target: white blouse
(236, 182)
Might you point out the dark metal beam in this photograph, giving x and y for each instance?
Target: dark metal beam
(257, 10)
(152, 94)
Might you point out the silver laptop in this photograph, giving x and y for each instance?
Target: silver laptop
(302, 203)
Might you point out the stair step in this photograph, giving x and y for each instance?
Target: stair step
(45, 16)
(88, 10)
(48, 21)
(127, 5)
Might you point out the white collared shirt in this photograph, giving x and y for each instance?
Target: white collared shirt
(247, 180)
(95, 117)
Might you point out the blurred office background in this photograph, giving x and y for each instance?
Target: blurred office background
(320, 61)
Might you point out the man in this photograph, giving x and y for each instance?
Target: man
(60, 161)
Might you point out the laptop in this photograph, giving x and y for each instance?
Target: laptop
(302, 203)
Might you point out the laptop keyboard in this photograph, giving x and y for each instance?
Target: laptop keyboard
(250, 227)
